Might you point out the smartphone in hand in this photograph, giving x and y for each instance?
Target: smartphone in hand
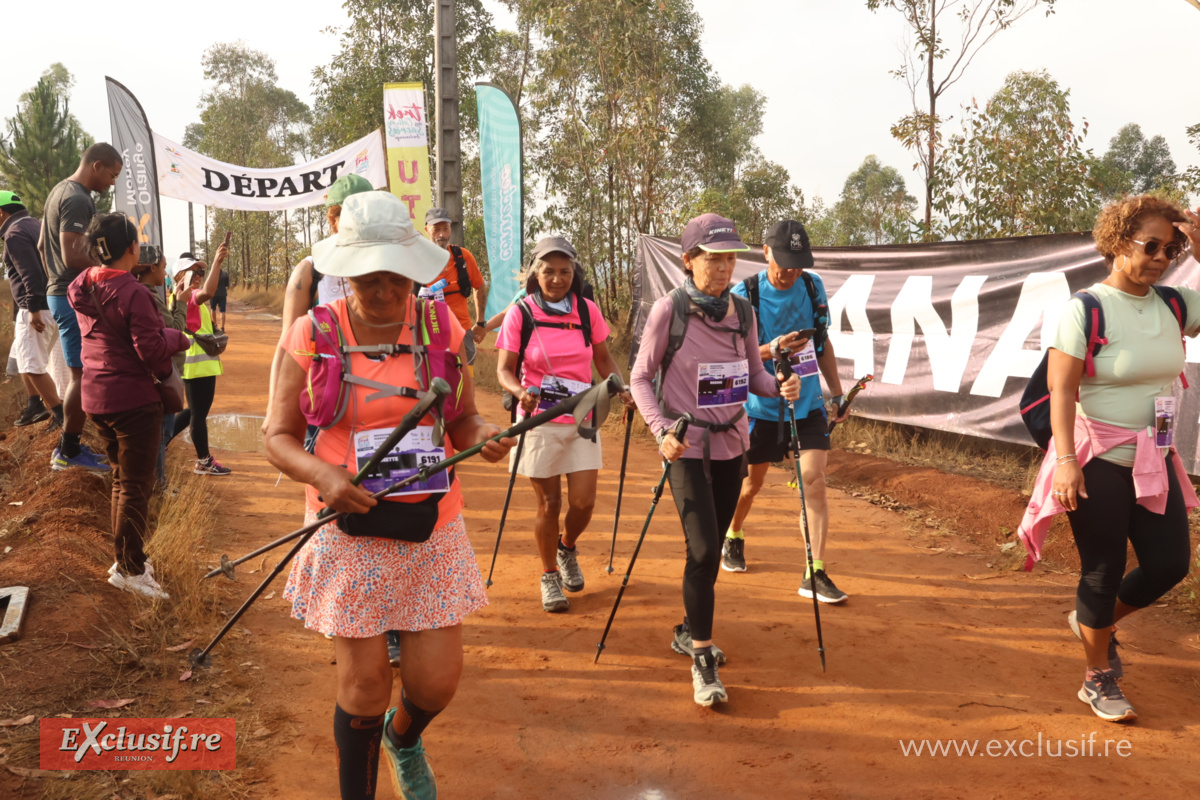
(228, 236)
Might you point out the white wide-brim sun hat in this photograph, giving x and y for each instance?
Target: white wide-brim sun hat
(376, 234)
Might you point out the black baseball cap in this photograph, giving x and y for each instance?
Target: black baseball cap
(789, 245)
(437, 214)
(712, 233)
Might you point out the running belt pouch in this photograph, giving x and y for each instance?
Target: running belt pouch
(401, 522)
(170, 389)
(212, 344)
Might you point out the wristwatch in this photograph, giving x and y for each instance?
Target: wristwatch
(480, 325)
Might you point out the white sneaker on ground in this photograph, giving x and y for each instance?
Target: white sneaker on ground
(143, 584)
(113, 569)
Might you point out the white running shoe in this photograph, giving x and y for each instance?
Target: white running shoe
(143, 584)
(706, 683)
(113, 569)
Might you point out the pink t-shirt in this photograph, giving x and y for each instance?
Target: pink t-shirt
(553, 352)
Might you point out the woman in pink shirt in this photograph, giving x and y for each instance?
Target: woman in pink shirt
(710, 376)
(551, 339)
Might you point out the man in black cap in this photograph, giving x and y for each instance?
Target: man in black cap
(455, 283)
(793, 314)
(33, 330)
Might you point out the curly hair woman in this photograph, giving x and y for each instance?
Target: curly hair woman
(1110, 465)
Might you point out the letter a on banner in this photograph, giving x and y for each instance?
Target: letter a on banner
(500, 178)
(407, 138)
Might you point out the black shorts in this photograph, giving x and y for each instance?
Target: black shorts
(217, 304)
(770, 444)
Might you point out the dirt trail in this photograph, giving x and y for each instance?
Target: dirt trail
(932, 644)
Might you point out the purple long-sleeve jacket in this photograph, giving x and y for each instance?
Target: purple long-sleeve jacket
(706, 342)
(115, 376)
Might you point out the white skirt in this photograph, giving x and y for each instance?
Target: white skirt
(556, 449)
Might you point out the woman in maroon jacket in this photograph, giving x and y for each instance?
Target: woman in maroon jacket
(124, 345)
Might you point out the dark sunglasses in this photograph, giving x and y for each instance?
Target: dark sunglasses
(1172, 251)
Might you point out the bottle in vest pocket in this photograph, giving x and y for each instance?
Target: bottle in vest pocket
(1164, 421)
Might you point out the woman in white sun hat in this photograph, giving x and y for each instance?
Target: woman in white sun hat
(403, 563)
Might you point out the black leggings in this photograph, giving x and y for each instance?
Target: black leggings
(1104, 522)
(200, 394)
(705, 511)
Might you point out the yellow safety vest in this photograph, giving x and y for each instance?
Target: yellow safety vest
(197, 363)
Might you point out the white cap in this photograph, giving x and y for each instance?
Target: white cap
(376, 234)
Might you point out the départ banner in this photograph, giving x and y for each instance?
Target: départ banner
(950, 330)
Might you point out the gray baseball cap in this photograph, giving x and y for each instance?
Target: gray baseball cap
(553, 244)
(435, 215)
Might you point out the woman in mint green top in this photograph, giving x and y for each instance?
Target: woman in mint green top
(1135, 373)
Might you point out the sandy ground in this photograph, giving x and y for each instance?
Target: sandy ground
(935, 643)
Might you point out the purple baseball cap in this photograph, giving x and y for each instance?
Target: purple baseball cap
(712, 233)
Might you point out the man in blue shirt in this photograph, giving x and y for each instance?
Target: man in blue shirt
(788, 302)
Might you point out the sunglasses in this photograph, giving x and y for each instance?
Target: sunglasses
(1172, 251)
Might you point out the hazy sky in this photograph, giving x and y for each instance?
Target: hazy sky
(823, 65)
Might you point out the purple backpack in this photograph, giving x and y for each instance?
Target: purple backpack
(330, 378)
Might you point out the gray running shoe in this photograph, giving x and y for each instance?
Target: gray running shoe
(827, 591)
(681, 643)
(1114, 660)
(706, 683)
(553, 599)
(733, 555)
(568, 568)
(1105, 697)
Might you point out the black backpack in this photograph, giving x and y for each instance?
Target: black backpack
(680, 305)
(528, 323)
(1035, 405)
(820, 310)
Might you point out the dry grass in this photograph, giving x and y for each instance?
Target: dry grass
(269, 299)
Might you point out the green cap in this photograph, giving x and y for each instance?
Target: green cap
(345, 186)
(10, 199)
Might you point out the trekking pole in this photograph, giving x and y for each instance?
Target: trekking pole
(595, 396)
(678, 431)
(784, 365)
(438, 389)
(512, 479)
(849, 398)
(620, 488)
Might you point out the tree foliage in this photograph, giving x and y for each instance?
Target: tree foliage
(1135, 164)
(44, 141)
(944, 38)
(1019, 167)
(874, 208)
(246, 118)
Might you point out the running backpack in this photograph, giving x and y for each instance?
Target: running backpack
(1035, 405)
(463, 276)
(680, 306)
(820, 309)
(528, 323)
(330, 377)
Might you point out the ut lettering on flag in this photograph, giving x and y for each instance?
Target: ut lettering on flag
(138, 743)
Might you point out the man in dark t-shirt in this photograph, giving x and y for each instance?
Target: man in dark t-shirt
(69, 209)
(217, 304)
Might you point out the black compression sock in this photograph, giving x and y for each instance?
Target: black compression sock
(357, 742)
(68, 444)
(409, 723)
(57, 413)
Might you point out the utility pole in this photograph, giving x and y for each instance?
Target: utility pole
(448, 192)
(191, 230)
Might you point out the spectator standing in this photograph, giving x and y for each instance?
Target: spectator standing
(124, 347)
(33, 333)
(461, 277)
(69, 210)
(153, 276)
(217, 304)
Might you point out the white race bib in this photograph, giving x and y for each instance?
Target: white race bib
(723, 384)
(555, 390)
(414, 451)
(806, 360)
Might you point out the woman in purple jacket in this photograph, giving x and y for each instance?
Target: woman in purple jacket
(710, 375)
(125, 347)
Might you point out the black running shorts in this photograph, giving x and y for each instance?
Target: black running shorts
(770, 444)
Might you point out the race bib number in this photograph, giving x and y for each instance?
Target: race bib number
(806, 360)
(414, 451)
(1164, 421)
(725, 384)
(555, 390)
(439, 295)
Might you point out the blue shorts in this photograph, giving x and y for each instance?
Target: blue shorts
(68, 329)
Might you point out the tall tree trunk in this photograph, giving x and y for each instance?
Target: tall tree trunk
(932, 163)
